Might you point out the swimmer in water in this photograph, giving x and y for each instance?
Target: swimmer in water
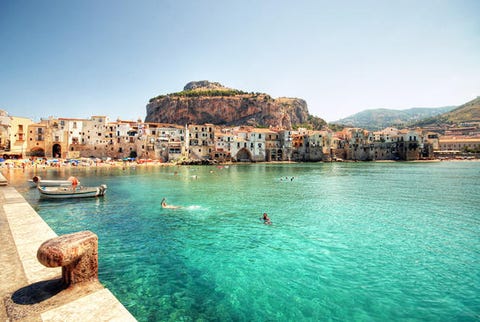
(266, 219)
(164, 204)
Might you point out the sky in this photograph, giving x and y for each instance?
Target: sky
(77, 59)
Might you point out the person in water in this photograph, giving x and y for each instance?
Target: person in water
(164, 204)
(266, 219)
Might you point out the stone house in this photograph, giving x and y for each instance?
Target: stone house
(285, 144)
(201, 141)
(37, 140)
(273, 150)
(409, 144)
(166, 141)
(256, 144)
(240, 148)
(460, 143)
(125, 138)
(223, 145)
(48, 138)
(4, 131)
(14, 136)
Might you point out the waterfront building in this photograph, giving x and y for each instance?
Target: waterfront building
(36, 139)
(46, 139)
(359, 144)
(256, 144)
(17, 137)
(409, 144)
(125, 135)
(461, 131)
(311, 146)
(223, 144)
(178, 140)
(285, 142)
(201, 141)
(97, 137)
(273, 147)
(239, 150)
(166, 141)
(74, 135)
(460, 143)
(4, 131)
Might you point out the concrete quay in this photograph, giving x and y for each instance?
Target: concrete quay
(30, 291)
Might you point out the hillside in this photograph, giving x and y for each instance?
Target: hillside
(376, 119)
(208, 102)
(468, 112)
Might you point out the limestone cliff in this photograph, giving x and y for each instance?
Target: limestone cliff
(207, 102)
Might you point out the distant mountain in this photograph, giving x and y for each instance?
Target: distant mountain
(376, 119)
(468, 112)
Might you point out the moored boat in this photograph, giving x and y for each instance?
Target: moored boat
(63, 192)
(38, 181)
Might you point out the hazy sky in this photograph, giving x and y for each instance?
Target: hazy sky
(109, 57)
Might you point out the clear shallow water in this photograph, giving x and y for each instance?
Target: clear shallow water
(349, 241)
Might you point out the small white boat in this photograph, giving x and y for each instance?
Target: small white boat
(35, 181)
(62, 192)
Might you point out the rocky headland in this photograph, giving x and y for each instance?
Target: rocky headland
(210, 102)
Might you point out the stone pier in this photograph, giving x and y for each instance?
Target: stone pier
(31, 291)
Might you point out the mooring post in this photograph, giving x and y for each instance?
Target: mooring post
(76, 253)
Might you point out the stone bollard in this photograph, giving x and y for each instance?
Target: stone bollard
(76, 253)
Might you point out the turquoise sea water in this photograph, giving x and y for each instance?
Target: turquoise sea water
(349, 241)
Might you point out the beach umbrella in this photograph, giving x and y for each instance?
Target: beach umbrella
(2, 160)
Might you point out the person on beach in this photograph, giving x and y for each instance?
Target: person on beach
(266, 219)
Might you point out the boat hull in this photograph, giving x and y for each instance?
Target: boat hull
(69, 193)
(49, 183)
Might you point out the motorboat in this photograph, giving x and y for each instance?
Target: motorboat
(63, 192)
(38, 181)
